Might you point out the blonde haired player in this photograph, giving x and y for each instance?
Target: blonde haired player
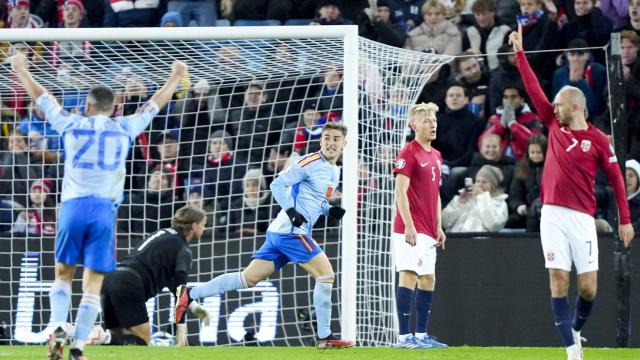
(417, 228)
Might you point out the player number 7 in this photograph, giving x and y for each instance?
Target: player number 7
(574, 142)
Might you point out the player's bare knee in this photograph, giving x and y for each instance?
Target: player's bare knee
(427, 282)
(251, 278)
(64, 272)
(587, 291)
(408, 279)
(328, 278)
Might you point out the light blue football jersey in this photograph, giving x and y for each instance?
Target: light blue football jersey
(96, 148)
(305, 185)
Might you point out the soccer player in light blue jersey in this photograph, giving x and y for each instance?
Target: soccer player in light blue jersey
(302, 191)
(96, 147)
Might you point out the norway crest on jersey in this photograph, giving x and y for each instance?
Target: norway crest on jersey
(585, 145)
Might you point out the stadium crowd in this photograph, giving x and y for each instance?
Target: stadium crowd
(219, 147)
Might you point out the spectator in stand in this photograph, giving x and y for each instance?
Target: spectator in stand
(480, 207)
(329, 14)
(329, 95)
(633, 21)
(524, 193)
(202, 12)
(491, 153)
(589, 25)
(221, 172)
(198, 114)
(582, 72)
(250, 214)
(255, 126)
(166, 157)
(18, 167)
(378, 25)
(307, 135)
(52, 12)
(616, 11)
(514, 123)
(476, 80)
(130, 13)
(73, 17)
(39, 218)
(435, 34)
(278, 157)
(485, 36)
(36, 128)
(149, 210)
(506, 75)
(632, 177)
(629, 47)
(507, 12)
(539, 33)
(171, 19)
(457, 135)
(20, 16)
(194, 196)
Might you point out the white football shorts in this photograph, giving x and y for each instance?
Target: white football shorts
(568, 236)
(420, 259)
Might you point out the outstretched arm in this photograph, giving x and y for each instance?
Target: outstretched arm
(31, 86)
(529, 79)
(164, 94)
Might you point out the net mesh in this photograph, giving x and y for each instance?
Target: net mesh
(245, 111)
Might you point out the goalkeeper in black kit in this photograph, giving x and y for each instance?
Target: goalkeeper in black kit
(162, 260)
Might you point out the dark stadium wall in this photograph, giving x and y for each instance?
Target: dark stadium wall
(491, 291)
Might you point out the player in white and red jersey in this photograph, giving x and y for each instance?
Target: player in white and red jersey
(567, 228)
(417, 228)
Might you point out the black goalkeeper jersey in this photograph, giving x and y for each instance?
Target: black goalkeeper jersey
(162, 260)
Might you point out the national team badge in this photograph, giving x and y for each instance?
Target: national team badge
(551, 256)
(585, 145)
(401, 163)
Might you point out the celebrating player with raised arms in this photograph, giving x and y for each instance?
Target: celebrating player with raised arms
(417, 228)
(96, 147)
(567, 228)
(302, 191)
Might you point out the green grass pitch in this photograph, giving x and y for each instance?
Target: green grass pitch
(280, 353)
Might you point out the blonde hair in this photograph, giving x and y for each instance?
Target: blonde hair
(433, 4)
(422, 108)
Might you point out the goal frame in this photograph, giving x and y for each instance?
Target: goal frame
(349, 36)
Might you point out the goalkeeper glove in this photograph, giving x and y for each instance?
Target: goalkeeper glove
(336, 212)
(296, 218)
(200, 312)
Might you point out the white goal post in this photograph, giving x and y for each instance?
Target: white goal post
(379, 83)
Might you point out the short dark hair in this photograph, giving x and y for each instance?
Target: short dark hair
(103, 98)
(483, 5)
(332, 125)
(515, 87)
(458, 84)
(466, 55)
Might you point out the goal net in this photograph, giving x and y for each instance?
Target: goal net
(255, 100)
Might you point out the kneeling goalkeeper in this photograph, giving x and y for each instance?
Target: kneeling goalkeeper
(162, 260)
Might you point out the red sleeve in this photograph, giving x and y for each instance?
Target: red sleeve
(531, 83)
(520, 134)
(609, 163)
(404, 162)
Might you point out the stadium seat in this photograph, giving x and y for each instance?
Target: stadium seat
(298, 22)
(223, 22)
(257, 23)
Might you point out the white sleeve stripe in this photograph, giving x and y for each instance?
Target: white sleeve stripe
(613, 159)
